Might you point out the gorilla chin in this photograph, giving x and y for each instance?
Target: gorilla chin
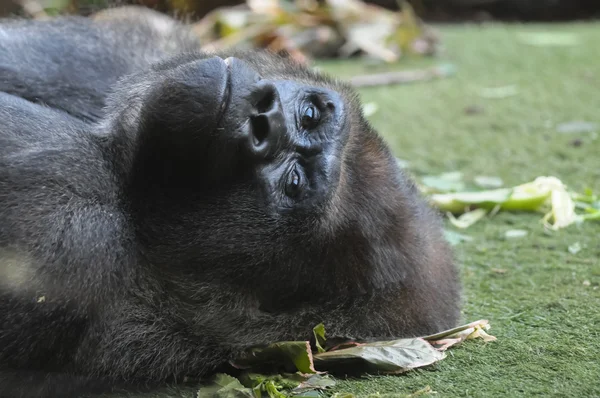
(175, 208)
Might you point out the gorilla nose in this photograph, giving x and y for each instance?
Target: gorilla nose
(267, 121)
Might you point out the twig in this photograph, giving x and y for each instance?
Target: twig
(402, 77)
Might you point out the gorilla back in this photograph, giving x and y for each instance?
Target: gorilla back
(163, 209)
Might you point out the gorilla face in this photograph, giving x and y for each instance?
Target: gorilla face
(289, 134)
(245, 153)
(282, 134)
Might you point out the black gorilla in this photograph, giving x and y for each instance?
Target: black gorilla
(162, 209)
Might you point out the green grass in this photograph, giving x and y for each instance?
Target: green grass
(546, 319)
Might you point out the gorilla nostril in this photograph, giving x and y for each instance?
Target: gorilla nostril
(267, 101)
(260, 129)
(267, 121)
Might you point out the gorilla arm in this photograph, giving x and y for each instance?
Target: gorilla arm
(59, 206)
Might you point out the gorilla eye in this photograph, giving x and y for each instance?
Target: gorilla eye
(310, 116)
(292, 186)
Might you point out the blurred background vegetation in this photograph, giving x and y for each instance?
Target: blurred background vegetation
(386, 30)
(440, 10)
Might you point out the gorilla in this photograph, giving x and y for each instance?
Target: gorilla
(163, 209)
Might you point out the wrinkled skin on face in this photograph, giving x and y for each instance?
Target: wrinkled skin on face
(181, 207)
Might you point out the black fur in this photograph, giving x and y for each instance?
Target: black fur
(139, 245)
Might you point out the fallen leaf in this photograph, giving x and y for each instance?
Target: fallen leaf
(488, 182)
(446, 182)
(224, 386)
(467, 219)
(577, 127)
(369, 109)
(314, 382)
(515, 233)
(455, 238)
(288, 354)
(319, 333)
(575, 248)
(286, 385)
(562, 213)
(446, 339)
(547, 194)
(457, 202)
(391, 357)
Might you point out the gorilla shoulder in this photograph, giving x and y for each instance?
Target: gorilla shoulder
(71, 63)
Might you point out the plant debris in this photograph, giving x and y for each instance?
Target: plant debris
(467, 219)
(278, 362)
(454, 238)
(577, 127)
(311, 28)
(488, 182)
(549, 195)
(388, 357)
(575, 248)
(515, 233)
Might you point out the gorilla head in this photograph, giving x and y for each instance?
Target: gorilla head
(251, 171)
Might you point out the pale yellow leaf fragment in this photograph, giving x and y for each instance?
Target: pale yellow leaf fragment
(562, 208)
(467, 219)
(444, 340)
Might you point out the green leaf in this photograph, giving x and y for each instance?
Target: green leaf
(312, 386)
(319, 332)
(295, 384)
(458, 201)
(224, 386)
(488, 182)
(467, 219)
(272, 390)
(577, 127)
(454, 238)
(285, 354)
(515, 233)
(395, 356)
(446, 182)
(575, 248)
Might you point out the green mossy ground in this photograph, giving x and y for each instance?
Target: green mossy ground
(546, 318)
